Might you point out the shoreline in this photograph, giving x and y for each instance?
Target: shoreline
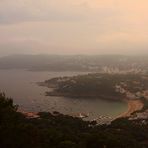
(133, 105)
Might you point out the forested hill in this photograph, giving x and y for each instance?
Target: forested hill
(100, 85)
(61, 131)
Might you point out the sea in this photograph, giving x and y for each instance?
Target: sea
(21, 85)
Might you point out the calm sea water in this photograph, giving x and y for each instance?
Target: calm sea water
(21, 86)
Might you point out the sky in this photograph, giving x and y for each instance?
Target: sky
(73, 27)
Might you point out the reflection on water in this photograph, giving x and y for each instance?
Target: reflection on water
(21, 85)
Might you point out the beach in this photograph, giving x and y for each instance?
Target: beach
(133, 105)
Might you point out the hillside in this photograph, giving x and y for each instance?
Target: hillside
(61, 131)
(99, 85)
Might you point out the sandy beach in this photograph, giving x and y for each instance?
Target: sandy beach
(133, 105)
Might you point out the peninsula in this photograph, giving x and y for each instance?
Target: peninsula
(100, 85)
(130, 87)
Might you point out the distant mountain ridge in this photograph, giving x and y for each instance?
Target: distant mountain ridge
(73, 62)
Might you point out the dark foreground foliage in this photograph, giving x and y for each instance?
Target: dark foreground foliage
(60, 131)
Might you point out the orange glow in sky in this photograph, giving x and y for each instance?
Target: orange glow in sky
(74, 26)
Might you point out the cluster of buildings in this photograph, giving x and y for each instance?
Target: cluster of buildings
(138, 95)
(116, 70)
(143, 115)
(140, 116)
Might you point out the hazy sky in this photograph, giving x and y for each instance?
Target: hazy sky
(73, 26)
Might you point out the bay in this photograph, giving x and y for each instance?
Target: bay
(22, 86)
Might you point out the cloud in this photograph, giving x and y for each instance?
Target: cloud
(56, 10)
(22, 11)
(74, 26)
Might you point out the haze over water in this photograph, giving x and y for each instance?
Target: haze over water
(21, 85)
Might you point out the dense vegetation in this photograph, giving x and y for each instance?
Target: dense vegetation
(98, 85)
(61, 131)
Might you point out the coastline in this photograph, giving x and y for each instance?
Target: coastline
(133, 105)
